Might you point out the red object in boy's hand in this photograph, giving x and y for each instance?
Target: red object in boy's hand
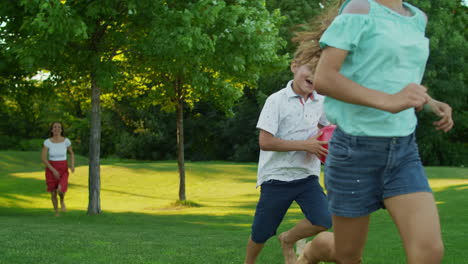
(327, 133)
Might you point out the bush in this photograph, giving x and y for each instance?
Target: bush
(8, 142)
(442, 149)
(31, 144)
(144, 145)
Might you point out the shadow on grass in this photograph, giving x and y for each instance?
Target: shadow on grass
(18, 161)
(33, 235)
(27, 161)
(74, 185)
(12, 187)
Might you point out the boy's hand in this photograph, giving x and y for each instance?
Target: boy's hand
(444, 111)
(314, 146)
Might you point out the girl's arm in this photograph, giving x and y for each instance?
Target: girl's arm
(330, 82)
(72, 158)
(442, 110)
(46, 162)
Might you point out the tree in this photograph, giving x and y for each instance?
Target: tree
(206, 50)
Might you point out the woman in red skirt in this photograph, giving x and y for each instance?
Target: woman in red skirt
(56, 171)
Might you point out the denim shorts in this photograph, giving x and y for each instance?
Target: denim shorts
(361, 171)
(277, 196)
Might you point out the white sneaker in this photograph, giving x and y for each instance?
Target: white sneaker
(300, 244)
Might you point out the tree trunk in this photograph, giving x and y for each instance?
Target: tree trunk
(180, 139)
(94, 182)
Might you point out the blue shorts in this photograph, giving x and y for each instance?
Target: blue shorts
(277, 196)
(361, 171)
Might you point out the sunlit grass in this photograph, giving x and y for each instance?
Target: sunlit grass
(218, 188)
(148, 190)
(142, 187)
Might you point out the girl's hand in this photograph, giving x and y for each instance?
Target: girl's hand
(444, 111)
(412, 96)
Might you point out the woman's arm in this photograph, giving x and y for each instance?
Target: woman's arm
(330, 82)
(72, 158)
(46, 162)
(268, 142)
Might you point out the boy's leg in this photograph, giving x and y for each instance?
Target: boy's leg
(252, 251)
(275, 199)
(417, 219)
(314, 205)
(321, 248)
(301, 230)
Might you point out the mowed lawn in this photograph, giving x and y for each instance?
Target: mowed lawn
(141, 224)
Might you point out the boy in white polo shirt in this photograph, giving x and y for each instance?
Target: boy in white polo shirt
(288, 168)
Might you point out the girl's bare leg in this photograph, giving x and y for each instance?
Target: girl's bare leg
(417, 220)
(350, 238)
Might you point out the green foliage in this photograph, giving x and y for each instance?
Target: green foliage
(24, 106)
(31, 144)
(239, 132)
(8, 142)
(296, 13)
(446, 77)
(145, 145)
(212, 48)
(146, 134)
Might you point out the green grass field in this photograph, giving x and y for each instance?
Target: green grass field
(141, 224)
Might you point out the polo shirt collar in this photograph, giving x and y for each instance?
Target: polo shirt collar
(290, 92)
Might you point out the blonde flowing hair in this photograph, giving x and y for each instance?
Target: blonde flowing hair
(308, 50)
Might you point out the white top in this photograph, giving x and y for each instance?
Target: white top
(286, 116)
(57, 151)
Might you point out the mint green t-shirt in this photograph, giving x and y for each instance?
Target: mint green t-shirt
(386, 52)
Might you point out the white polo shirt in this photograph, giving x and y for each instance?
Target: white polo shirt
(57, 151)
(287, 116)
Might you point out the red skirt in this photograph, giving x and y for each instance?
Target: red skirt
(52, 183)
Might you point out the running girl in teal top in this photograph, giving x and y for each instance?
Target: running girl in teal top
(372, 60)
